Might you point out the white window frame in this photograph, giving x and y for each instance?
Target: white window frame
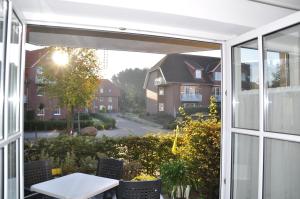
(198, 74)
(101, 99)
(217, 76)
(161, 107)
(40, 112)
(227, 101)
(101, 90)
(38, 91)
(57, 112)
(110, 99)
(161, 91)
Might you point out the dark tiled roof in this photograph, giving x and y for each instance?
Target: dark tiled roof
(175, 67)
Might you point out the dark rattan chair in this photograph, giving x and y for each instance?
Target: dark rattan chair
(139, 189)
(36, 172)
(110, 168)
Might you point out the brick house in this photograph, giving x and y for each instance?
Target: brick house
(107, 97)
(182, 80)
(36, 99)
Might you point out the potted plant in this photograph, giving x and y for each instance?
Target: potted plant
(174, 177)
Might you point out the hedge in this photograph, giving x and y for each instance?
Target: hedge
(149, 151)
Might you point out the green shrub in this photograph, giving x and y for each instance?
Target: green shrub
(149, 151)
(40, 125)
(201, 150)
(174, 174)
(29, 115)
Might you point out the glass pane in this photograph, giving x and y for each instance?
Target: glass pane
(2, 21)
(281, 170)
(245, 167)
(12, 171)
(14, 77)
(282, 76)
(245, 85)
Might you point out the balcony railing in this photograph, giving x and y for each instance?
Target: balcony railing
(191, 97)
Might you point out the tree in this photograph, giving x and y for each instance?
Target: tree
(75, 84)
(131, 81)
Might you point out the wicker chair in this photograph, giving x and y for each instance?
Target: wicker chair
(139, 189)
(110, 168)
(36, 172)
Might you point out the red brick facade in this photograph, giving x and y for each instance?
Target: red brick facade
(107, 95)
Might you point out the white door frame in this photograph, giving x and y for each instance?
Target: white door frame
(227, 103)
(18, 136)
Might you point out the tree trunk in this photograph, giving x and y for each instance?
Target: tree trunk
(70, 119)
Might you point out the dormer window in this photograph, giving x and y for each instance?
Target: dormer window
(198, 74)
(217, 76)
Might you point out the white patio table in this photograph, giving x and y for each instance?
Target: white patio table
(75, 186)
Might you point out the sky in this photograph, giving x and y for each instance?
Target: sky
(118, 61)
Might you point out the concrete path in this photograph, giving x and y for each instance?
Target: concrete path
(127, 127)
(40, 134)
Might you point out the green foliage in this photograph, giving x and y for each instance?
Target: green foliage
(174, 174)
(29, 115)
(200, 149)
(148, 152)
(74, 85)
(99, 121)
(44, 125)
(164, 119)
(131, 81)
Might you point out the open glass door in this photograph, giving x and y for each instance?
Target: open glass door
(261, 118)
(11, 102)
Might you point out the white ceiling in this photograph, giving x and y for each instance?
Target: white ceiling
(203, 19)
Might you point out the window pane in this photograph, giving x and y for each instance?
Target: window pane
(14, 77)
(282, 76)
(2, 21)
(245, 85)
(12, 171)
(281, 171)
(245, 167)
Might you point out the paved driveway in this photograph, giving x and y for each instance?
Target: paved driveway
(127, 127)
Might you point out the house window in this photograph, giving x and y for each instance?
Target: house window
(198, 74)
(57, 111)
(101, 99)
(39, 75)
(109, 90)
(161, 91)
(40, 112)
(101, 90)
(161, 107)
(102, 108)
(109, 107)
(216, 91)
(109, 99)
(40, 91)
(217, 76)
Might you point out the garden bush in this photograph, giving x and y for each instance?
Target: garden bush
(40, 125)
(200, 149)
(149, 151)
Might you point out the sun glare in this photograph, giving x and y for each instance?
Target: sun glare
(60, 58)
